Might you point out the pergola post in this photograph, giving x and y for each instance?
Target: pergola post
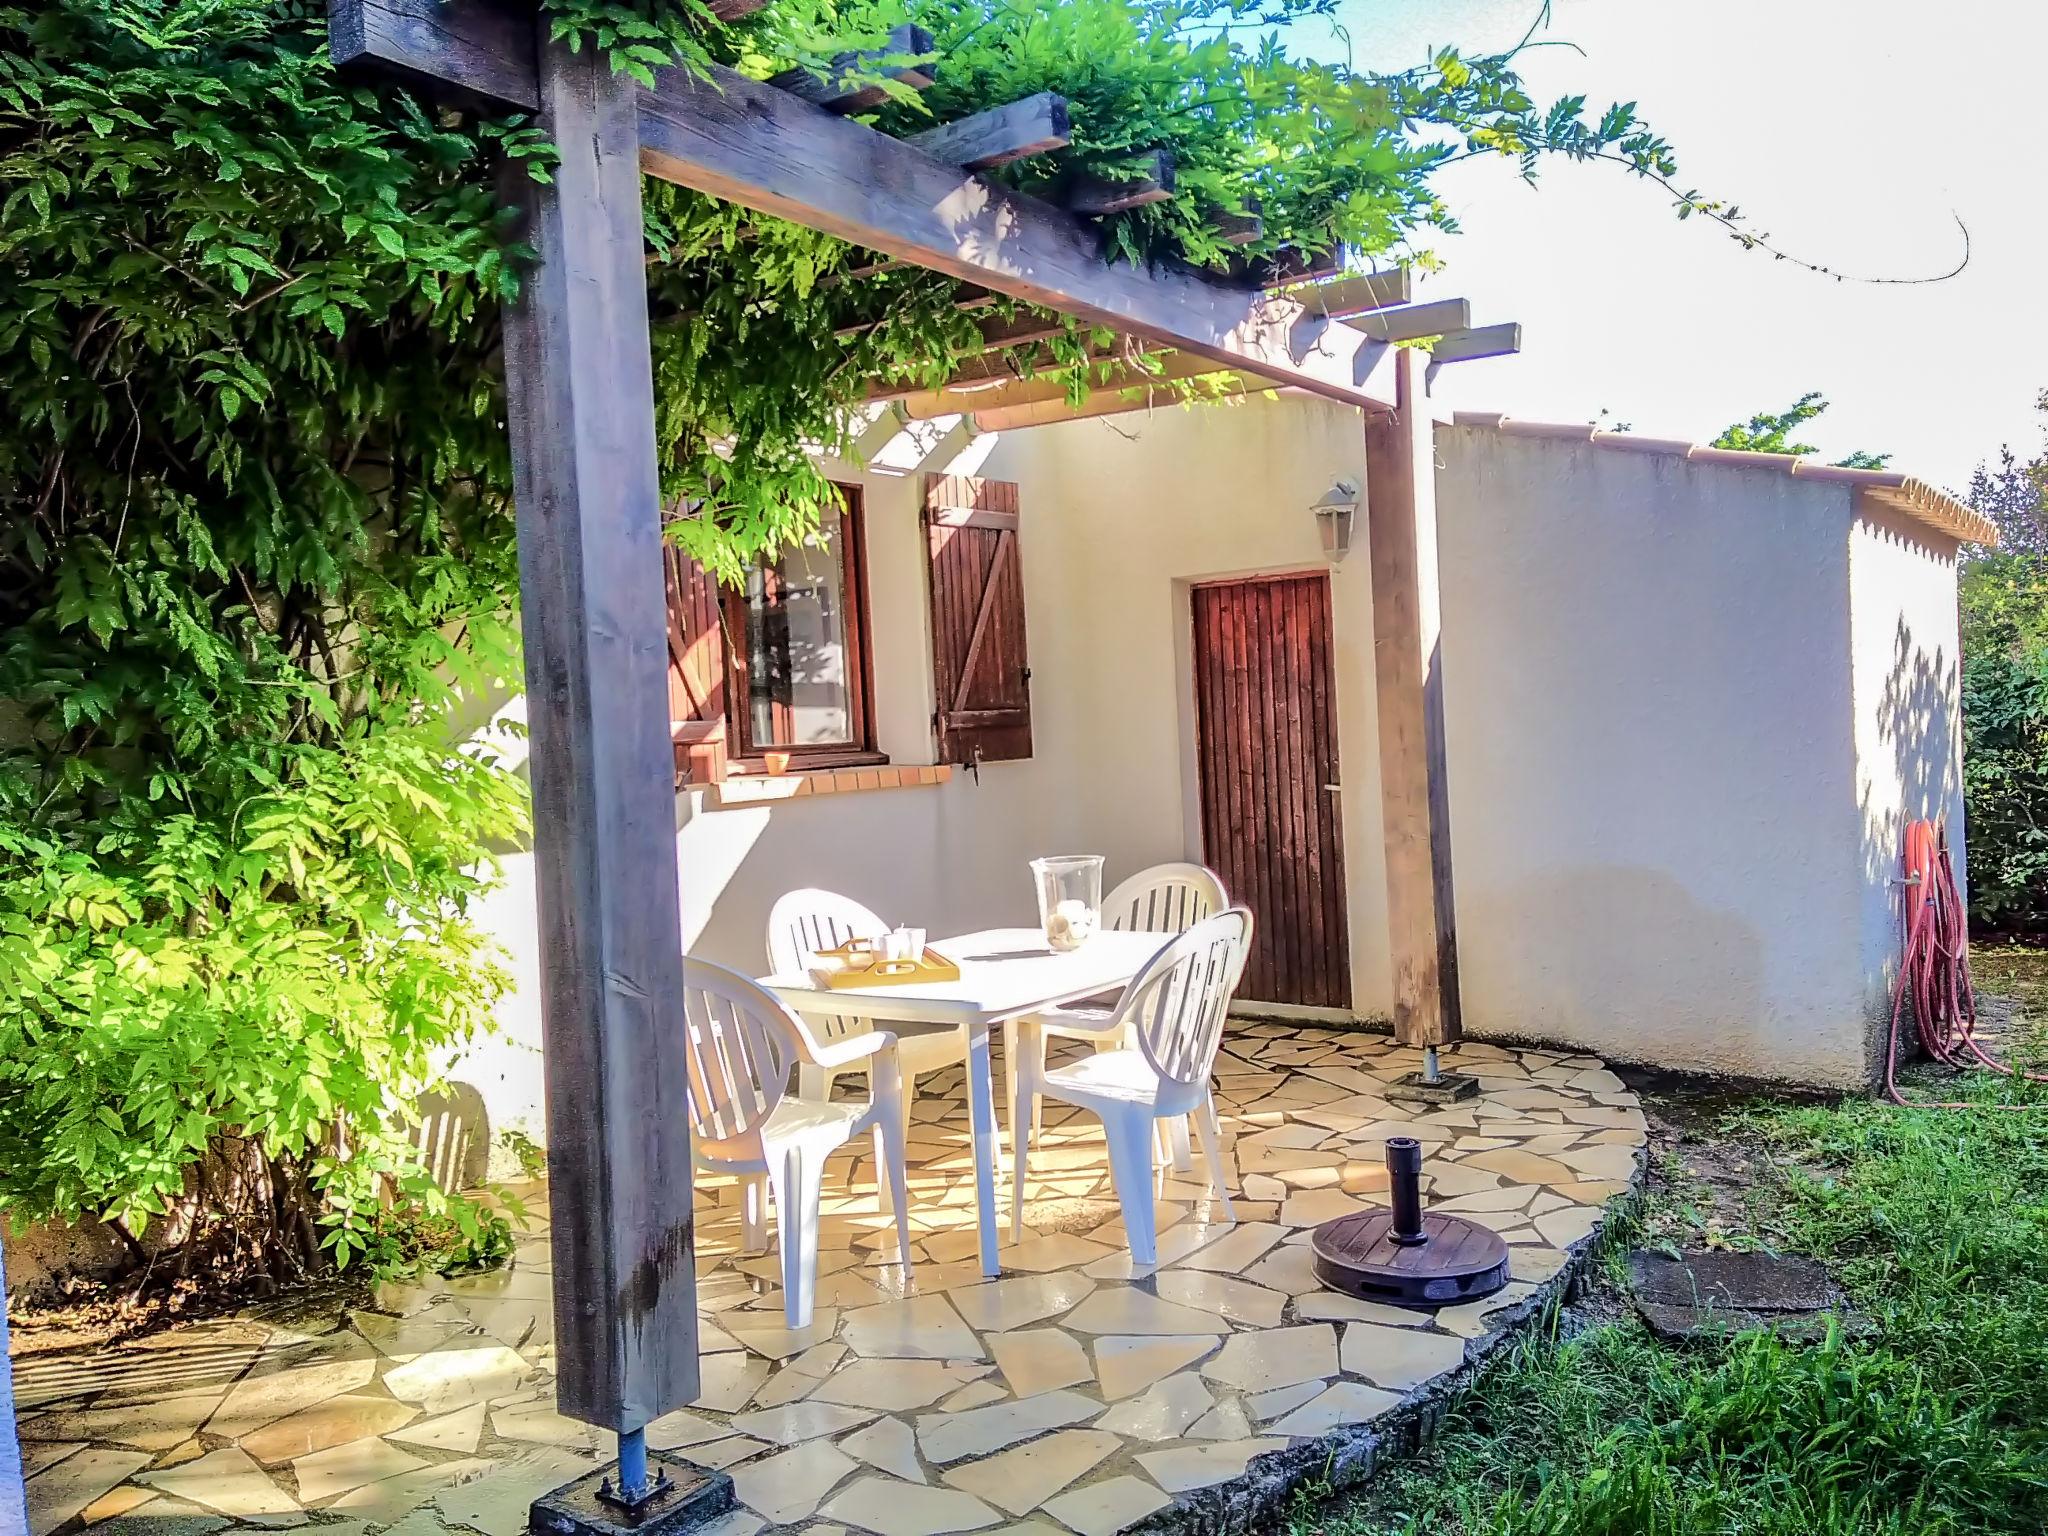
(580, 401)
(1407, 626)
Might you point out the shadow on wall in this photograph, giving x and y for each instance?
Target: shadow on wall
(1918, 722)
(1556, 945)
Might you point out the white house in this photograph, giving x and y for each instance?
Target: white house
(1691, 697)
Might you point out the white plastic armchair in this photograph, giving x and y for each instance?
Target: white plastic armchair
(1174, 1011)
(741, 1042)
(800, 926)
(1167, 898)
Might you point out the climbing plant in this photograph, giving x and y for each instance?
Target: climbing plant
(256, 558)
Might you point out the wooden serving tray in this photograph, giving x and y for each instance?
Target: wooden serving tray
(841, 975)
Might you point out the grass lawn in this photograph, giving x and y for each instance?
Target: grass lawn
(1933, 1419)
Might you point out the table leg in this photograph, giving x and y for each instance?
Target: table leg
(981, 1111)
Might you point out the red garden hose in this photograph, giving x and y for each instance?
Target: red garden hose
(1935, 973)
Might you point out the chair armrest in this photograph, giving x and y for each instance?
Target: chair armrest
(1081, 1019)
(847, 1050)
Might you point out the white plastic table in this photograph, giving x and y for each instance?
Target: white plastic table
(1005, 974)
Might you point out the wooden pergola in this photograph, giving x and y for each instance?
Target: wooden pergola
(580, 400)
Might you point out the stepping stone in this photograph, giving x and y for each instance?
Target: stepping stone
(727, 1383)
(1613, 1164)
(1336, 1307)
(260, 1400)
(1233, 1254)
(1258, 1362)
(1163, 1411)
(337, 1421)
(1347, 1402)
(443, 1380)
(537, 1423)
(767, 1334)
(892, 1386)
(787, 1488)
(1003, 1305)
(37, 1455)
(1038, 1360)
(888, 1445)
(921, 1328)
(1186, 1468)
(950, 1437)
(1126, 1364)
(1534, 1264)
(399, 1339)
(499, 1504)
(325, 1473)
(57, 1496)
(1226, 1421)
(144, 1427)
(802, 1421)
(1712, 1291)
(1522, 1167)
(458, 1431)
(1282, 1400)
(1399, 1358)
(1237, 1300)
(226, 1481)
(377, 1503)
(1107, 1507)
(1020, 1480)
(1562, 1228)
(891, 1508)
(1125, 1309)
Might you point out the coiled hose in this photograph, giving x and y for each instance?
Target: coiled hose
(1934, 975)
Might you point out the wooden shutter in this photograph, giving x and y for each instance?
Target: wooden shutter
(981, 679)
(696, 669)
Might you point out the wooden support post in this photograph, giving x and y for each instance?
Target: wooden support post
(13, 1507)
(1407, 624)
(580, 398)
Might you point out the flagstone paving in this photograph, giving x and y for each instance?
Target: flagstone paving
(1079, 1393)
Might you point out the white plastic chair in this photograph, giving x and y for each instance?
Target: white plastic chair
(1174, 1009)
(741, 1041)
(1167, 898)
(800, 926)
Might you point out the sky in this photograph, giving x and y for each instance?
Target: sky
(1853, 132)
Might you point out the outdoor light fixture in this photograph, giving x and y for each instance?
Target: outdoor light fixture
(1335, 514)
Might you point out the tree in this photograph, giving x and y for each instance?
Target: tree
(1771, 432)
(2004, 614)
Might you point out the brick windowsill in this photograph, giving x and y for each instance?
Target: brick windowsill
(766, 788)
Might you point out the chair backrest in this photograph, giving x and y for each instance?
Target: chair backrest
(739, 1042)
(800, 925)
(1177, 1004)
(1167, 898)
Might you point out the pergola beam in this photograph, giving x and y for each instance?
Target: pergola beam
(1465, 346)
(1033, 126)
(1104, 402)
(747, 143)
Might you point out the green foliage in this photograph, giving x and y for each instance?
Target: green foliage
(255, 544)
(1934, 1424)
(254, 534)
(1771, 432)
(2005, 736)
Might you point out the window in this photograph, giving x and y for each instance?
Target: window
(799, 665)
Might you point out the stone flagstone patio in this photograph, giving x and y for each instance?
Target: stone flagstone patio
(1077, 1393)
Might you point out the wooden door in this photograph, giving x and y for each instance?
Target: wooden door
(1266, 747)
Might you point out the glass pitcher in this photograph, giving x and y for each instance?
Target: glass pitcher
(1069, 898)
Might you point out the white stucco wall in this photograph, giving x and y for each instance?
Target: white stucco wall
(1654, 831)
(1668, 730)
(1906, 676)
(1119, 517)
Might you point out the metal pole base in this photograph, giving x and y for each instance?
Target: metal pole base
(1446, 1088)
(679, 1498)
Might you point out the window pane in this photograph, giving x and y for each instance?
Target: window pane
(796, 644)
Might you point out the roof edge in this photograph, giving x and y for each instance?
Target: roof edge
(1912, 498)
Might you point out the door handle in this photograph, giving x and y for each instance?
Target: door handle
(1334, 788)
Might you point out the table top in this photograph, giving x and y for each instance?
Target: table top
(1004, 974)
